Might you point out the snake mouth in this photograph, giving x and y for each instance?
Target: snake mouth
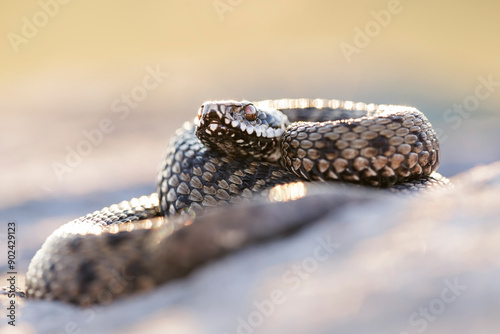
(233, 128)
(226, 126)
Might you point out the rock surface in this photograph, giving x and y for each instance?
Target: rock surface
(390, 264)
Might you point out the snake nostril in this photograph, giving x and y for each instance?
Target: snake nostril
(212, 115)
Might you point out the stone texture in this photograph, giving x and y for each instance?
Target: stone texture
(390, 264)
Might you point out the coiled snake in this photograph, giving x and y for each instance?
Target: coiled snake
(231, 153)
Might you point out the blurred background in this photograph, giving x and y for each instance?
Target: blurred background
(90, 92)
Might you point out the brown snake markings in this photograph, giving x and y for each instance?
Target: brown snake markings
(231, 153)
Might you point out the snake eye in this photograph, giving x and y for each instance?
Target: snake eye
(250, 113)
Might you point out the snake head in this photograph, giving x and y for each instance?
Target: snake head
(241, 129)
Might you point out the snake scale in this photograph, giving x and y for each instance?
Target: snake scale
(233, 152)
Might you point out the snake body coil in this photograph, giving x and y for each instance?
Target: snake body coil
(229, 154)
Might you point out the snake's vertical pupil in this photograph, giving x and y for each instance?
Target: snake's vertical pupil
(250, 113)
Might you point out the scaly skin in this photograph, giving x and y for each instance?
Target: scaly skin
(233, 152)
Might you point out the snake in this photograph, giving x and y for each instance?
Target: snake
(231, 154)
